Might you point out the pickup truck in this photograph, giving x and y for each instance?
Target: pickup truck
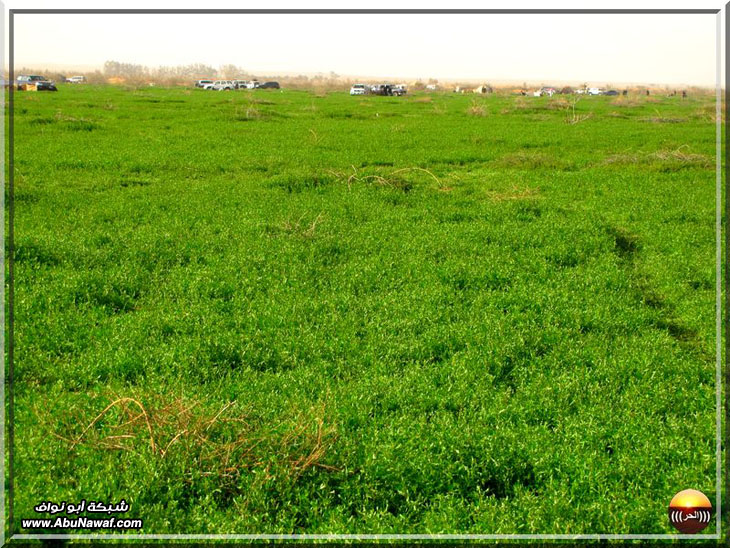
(34, 82)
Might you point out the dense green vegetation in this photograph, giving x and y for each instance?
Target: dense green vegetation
(262, 312)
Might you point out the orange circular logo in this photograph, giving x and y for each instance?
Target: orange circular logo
(690, 511)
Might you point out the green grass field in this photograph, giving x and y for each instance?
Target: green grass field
(282, 312)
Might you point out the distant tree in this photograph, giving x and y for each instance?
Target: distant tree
(126, 70)
(111, 68)
(231, 71)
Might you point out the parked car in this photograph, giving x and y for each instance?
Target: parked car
(544, 91)
(240, 84)
(381, 89)
(610, 92)
(35, 82)
(359, 89)
(253, 84)
(594, 91)
(269, 85)
(399, 89)
(76, 80)
(220, 85)
(203, 83)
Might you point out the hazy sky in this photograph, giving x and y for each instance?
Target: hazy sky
(672, 49)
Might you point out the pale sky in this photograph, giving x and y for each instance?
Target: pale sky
(660, 49)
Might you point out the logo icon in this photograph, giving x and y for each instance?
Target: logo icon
(690, 511)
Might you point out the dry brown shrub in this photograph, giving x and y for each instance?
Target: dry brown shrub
(393, 179)
(219, 443)
(679, 156)
(300, 227)
(708, 112)
(557, 104)
(477, 108)
(625, 102)
(514, 193)
(520, 103)
(662, 120)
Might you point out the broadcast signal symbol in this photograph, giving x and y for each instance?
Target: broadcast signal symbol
(690, 511)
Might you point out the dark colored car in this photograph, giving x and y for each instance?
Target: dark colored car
(610, 92)
(382, 89)
(269, 85)
(41, 83)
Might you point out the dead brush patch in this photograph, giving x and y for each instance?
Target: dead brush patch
(662, 120)
(625, 102)
(394, 179)
(314, 137)
(529, 160)
(680, 155)
(557, 104)
(300, 227)
(61, 117)
(709, 113)
(520, 103)
(667, 158)
(514, 193)
(425, 99)
(477, 108)
(220, 443)
(248, 114)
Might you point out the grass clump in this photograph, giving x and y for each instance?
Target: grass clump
(477, 108)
